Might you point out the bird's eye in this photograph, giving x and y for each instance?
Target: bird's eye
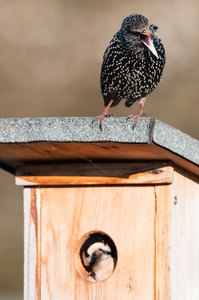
(132, 31)
(136, 33)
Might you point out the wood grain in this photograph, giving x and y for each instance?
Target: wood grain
(154, 227)
(125, 214)
(32, 279)
(86, 174)
(161, 233)
(184, 239)
(14, 155)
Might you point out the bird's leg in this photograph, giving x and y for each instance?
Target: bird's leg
(141, 111)
(105, 113)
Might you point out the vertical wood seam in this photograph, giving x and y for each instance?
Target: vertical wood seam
(35, 219)
(38, 266)
(155, 242)
(161, 250)
(26, 242)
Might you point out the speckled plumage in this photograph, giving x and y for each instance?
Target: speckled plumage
(130, 69)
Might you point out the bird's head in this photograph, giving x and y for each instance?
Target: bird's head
(137, 32)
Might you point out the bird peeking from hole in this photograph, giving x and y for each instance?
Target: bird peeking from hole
(98, 260)
(132, 65)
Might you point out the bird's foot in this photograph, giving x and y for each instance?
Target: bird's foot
(105, 113)
(140, 113)
(135, 119)
(144, 115)
(105, 116)
(101, 118)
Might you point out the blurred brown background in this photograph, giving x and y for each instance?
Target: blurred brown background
(50, 59)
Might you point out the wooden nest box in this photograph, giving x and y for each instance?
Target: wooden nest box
(110, 214)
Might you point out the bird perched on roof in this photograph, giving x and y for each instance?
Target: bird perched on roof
(132, 64)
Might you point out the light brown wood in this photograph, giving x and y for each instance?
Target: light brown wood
(161, 251)
(184, 238)
(135, 217)
(81, 174)
(32, 238)
(154, 227)
(126, 215)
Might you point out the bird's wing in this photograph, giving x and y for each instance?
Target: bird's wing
(106, 53)
(108, 49)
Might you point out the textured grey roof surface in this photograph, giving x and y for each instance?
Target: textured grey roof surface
(86, 129)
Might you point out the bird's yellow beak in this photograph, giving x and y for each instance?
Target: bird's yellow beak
(146, 32)
(146, 39)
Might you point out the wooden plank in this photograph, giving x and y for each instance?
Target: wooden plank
(108, 169)
(184, 239)
(53, 151)
(32, 244)
(125, 214)
(14, 155)
(86, 174)
(161, 251)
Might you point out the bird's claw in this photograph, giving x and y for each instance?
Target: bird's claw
(101, 118)
(144, 115)
(135, 119)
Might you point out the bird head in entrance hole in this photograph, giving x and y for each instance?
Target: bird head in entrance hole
(98, 256)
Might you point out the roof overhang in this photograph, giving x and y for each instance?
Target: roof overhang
(29, 141)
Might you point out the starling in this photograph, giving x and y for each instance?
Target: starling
(132, 64)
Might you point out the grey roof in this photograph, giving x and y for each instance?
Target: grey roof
(86, 130)
(73, 129)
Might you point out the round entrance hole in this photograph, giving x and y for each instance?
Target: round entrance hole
(96, 256)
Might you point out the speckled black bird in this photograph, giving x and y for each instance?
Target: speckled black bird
(132, 64)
